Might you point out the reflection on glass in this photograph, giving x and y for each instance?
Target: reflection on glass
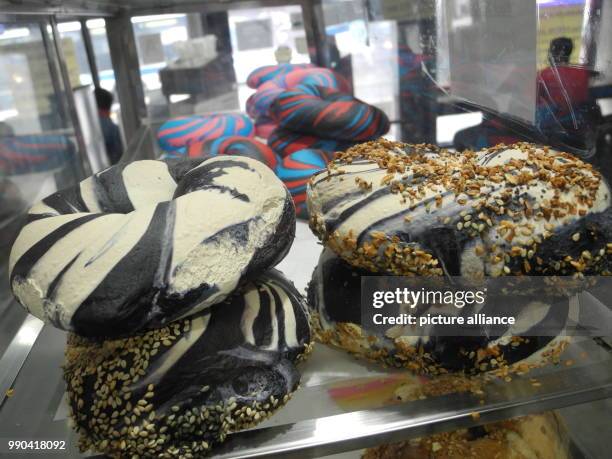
(558, 101)
(566, 111)
(363, 46)
(97, 31)
(74, 53)
(110, 130)
(281, 38)
(198, 63)
(106, 75)
(471, 74)
(37, 148)
(27, 99)
(173, 53)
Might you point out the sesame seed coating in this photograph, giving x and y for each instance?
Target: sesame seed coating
(334, 296)
(388, 208)
(176, 391)
(418, 210)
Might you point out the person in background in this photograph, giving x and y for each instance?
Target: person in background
(110, 131)
(566, 117)
(566, 112)
(560, 83)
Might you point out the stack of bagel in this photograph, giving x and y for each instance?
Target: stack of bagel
(264, 80)
(180, 330)
(507, 212)
(309, 113)
(306, 113)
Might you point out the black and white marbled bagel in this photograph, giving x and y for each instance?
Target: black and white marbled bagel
(417, 210)
(334, 296)
(177, 390)
(139, 245)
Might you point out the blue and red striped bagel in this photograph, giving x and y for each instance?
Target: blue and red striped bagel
(139, 245)
(329, 114)
(34, 153)
(285, 142)
(259, 104)
(268, 72)
(295, 172)
(235, 146)
(175, 134)
(264, 127)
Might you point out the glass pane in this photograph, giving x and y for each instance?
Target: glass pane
(29, 99)
(97, 30)
(470, 74)
(38, 151)
(542, 74)
(280, 36)
(106, 74)
(567, 114)
(74, 53)
(365, 51)
(198, 63)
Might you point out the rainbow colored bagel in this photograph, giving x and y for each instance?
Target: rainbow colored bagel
(26, 154)
(327, 113)
(264, 127)
(266, 73)
(175, 134)
(236, 146)
(315, 76)
(295, 171)
(260, 102)
(285, 142)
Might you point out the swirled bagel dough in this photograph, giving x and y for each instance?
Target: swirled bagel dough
(142, 244)
(334, 296)
(193, 381)
(416, 210)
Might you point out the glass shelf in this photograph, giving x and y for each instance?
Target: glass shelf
(342, 424)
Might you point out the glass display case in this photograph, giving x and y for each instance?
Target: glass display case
(189, 78)
(40, 146)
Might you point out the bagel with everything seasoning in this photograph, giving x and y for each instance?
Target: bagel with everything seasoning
(139, 245)
(178, 390)
(334, 296)
(412, 210)
(387, 208)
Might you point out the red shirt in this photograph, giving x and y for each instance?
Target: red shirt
(562, 83)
